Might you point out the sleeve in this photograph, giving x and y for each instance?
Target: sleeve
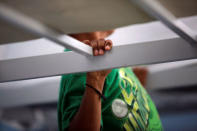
(73, 88)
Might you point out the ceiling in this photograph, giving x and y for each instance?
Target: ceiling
(76, 16)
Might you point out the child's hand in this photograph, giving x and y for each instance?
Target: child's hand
(99, 46)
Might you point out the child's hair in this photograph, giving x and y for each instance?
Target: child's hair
(92, 35)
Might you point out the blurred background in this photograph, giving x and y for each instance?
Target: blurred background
(31, 105)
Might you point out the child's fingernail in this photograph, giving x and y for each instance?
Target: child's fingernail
(96, 52)
(101, 52)
(107, 47)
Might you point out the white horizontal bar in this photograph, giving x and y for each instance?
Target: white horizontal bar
(165, 50)
(28, 92)
(172, 78)
(182, 75)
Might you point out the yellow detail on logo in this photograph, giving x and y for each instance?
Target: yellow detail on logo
(135, 106)
(127, 126)
(139, 120)
(128, 98)
(132, 120)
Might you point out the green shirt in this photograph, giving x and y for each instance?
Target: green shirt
(127, 107)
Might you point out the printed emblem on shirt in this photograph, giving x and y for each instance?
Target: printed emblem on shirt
(134, 104)
(119, 108)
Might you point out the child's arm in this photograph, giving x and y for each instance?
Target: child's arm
(88, 116)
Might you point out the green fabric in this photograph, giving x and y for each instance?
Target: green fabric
(120, 84)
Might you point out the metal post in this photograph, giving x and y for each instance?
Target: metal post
(39, 29)
(155, 9)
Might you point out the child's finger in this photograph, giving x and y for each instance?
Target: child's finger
(94, 45)
(87, 42)
(101, 44)
(108, 45)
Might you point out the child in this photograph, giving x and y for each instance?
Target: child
(105, 100)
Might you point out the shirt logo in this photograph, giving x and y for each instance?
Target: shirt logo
(119, 108)
(136, 102)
